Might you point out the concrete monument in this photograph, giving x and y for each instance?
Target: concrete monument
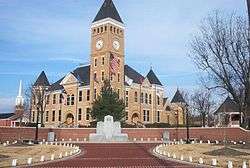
(108, 131)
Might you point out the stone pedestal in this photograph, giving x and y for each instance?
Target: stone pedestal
(108, 131)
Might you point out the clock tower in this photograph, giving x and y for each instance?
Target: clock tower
(107, 50)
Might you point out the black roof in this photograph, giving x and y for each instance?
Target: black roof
(108, 10)
(42, 80)
(6, 115)
(133, 74)
(81, 73)
(153, 78)
(228, 106)
(178, 98)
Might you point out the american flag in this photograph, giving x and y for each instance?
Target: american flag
(114, 64)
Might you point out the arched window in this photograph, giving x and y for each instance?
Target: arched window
(158, 100)
(72, 99)
(111, 28)
(105, 28)
(150, 99)
(136, 97)
(146, 98)
(141, 97)
(68, 100)
(101, 29)
(98, 30)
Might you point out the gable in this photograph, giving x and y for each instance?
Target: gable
(69, 79)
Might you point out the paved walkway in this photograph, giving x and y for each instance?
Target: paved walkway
(116, 156)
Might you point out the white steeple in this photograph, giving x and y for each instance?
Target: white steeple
(19, 98)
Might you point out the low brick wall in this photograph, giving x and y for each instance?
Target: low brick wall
(234, 134)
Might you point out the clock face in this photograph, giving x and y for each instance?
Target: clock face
(99, 44)
(116, 45)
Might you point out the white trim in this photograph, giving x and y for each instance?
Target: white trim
(66, 78)
(106, 21)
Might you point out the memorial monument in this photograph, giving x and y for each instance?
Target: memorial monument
(108, 131)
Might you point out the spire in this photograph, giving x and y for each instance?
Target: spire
(153, 78)
(19, 98)
(42, 80)
(178, 98)
(20, 88)
(108, 10)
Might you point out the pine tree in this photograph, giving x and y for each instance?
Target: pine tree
(108, 103)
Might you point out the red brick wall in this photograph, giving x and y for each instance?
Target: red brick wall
(5, 123)
(235, 134)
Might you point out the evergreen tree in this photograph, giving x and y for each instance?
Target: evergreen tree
(108, 103)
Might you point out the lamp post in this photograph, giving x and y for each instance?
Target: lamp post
(187, 122)
(177, 123)
(37, 118)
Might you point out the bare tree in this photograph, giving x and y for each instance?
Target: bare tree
(203, 104)
(221, 49)
(37, 96)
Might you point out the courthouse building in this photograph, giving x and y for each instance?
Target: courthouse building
(69, 100)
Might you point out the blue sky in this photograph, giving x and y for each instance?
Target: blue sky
(54, 36)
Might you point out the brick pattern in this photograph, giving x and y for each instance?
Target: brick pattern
(232, 134)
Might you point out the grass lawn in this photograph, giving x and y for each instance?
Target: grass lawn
(23, 152)
(235, 153)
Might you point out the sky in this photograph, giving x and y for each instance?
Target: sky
(54, 36)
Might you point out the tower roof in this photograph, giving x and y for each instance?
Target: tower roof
(178, 98)
(228, 106)
(153, 78)
(42, 80)
(108, 10)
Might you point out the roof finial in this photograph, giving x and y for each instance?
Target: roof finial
(151, 66)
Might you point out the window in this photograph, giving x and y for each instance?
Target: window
(53, 115)
(105, 28)
(111, 77)
(158, 116)
(146, 98)
(126, 93)
(54, 99)
(118, 92)
(150, 99)
(80, 96)
(126, 101)
(126, 115)
(47, 116)
(118, 77)
(88, 95)
(72, 100)
(47, 99)
(60, 115)
(146, 115)
(79, 114)
(95, 76)
(136, 97)
(33, 116)
(103, 60)
(103, 76)
(141, 97)
(98, 30)
(158, 100)
(68, 100)
(60, 98)
(87, 114)
(95, 94)
(95, 62)
(101, 29)
(114, 29)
